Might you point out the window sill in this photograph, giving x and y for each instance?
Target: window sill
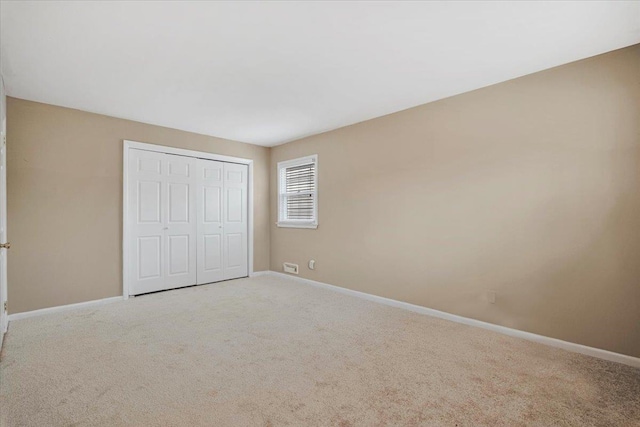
(295, 225)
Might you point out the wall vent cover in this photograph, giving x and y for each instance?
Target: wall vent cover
(290, 268)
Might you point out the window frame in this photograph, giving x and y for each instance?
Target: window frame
(297, 223)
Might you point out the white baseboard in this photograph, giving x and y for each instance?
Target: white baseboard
(260, 273)
(553, 342)
(61, 308)
(4, 323)
(43, 311)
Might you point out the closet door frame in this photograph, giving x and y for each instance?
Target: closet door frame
(126, 233)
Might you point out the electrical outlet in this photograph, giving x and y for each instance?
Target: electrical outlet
(312, 264)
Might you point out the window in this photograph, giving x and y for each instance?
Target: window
(298, 193)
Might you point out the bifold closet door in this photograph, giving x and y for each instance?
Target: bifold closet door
(162, 221)
(235, 221)
(209, 219)
(222, 221)
(181, 230)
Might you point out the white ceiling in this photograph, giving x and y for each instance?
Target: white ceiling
(268, 73)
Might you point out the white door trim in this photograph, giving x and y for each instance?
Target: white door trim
(4, 320)
(127, 145)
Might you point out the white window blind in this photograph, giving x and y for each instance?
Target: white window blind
(297, 188)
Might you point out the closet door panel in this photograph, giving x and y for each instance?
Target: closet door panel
(235, 221)
(209, 220)
(146, 218)
(180, 226)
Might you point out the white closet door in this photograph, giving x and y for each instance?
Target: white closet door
(234, 224)
(180, 226)
(209, 219)
(147, 183)
(188, 221)
(162, 221)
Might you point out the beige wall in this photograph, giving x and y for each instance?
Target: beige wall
(530, 188)
(65, 200)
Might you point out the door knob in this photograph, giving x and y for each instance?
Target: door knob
(5, 245)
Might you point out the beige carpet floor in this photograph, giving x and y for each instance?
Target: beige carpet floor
(269, 352)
